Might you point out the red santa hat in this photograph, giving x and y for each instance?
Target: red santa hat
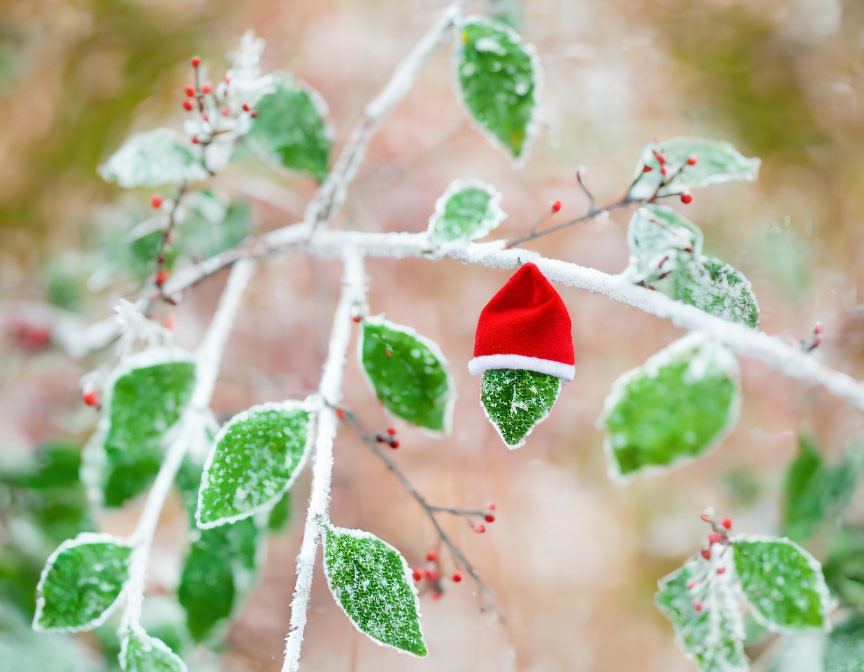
(525, 326)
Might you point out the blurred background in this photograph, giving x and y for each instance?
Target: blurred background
(572, 557)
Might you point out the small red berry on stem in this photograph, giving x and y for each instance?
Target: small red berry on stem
(391, 431)
(692, 584)
(491, 506)
(161, 277)
(647, 169)
(246, 107)
(705, 517)
(686, 199)
(697, 606)
(206, 87)
(556, 206)
(691, 160)
(818, 328)
(432, 575)
(660, 158)
(156, 201)
(714, 538)
(356, 318)
(394, 444)
(489, 518)
(727, 523)
(721, 570)
(225, 112)
(436, 594)
(187, 105)
(340, 413)
(254, 114)
(431, 556)
(706, 553)
(195, 140)
(457, 577)
(189, 89)
(479, 528)
(91, 398)
(417, 574)
(196, 61)
(663, 171)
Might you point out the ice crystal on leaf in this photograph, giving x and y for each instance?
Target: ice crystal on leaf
(516, 400)
(467, 210)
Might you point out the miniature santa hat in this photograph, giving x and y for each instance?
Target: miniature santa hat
(525, 326)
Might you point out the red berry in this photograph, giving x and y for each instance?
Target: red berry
(457, 577)
(663, 171)
(187, 105)
(91, 398)
(706, 553)
(818, 328)
(721, 570)
(205, 116)
(195, 140)
(161, 277)
(692, 584)
(225, 112)
(356, 318)
(697, 606)
(417, 574)
(491, 506)
(254, 114)
(647, 169)
(189, 89)
(156, 201)
(391, 431)
(246, 107)
(479, 528)
(490, 518)
(691, 160)
(660, 158)
(206, 88)
(705, 517)
(196, 61)
(432, 575)
(431, 556)
(556, 206)
(340, 413)
(727, 523)
(394, 444)
(714, 538)
(686, 199)
(436, 594)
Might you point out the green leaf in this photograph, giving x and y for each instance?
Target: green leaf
(142, 653)
(208, 227)
(712, 637)
(517, 400)
(710, 285)
(844, 566)
(676, 406)
(408, 374)
(81, 583)
(255, 459)
(144, 399)
(782, 583)
(153, 159)
(467, 210)
(217, 572)
(716, 162)
(291, 128)
(654, 232)
(844, 650)
(498, 76)
(813, 490)
(372, 583)
(280, 514)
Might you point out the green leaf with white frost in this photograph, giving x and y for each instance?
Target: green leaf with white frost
(291, 128)
(255, 459)
(674, 407)
(144, 399)
(208, 226)
(153, 159)
(372, 583)
(142, 653)
(81, 583)
(467, 210)
(712, 637)
(782, 583)
(715, 162)
(844, 649)
(408, 374)
(517, 400)
(498, 75)
(711, 285)
(654, 232)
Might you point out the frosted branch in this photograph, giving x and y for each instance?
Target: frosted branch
(329, 394)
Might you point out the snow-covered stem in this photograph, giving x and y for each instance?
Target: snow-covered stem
(208, 358)
(330, 196)
(329, 394)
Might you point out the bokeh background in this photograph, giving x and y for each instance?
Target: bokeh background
(573, 557)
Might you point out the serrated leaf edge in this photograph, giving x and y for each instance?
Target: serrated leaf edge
(693, 340)
(456, 186)
(82, 539)
(155, 641)
(524, 439)
(434, 348)
(533, 127)
(240, 417)
(409, 579)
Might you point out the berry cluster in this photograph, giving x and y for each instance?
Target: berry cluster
(668, 176)
(718, 537)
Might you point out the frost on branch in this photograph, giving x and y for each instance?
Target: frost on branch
(654, 232)
(255, 459)
(498, 75)
(291, 128)
(782, 583)
(142, 653)
(516, 400)
(153, 159)
(81, 583)
(715, 162)
(372, 583)
(467, 210)
(408, 374)
(675, 406)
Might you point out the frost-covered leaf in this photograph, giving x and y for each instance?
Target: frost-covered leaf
(516, 400)
(713, 635)
(280, 514)
(372, 583)
(255, 459)
(467, 210)
(153, 159)
(408, 374)
(142, 653)
(844, 566)
(782, 583)
(844, 650)
(498, 75)
(715, 162)
(291, 128)
(711, 285)
(81, 582)
(676, 406)
(813, 490)
(217, 572)
(209, 227)
(144, 399)
(654, 232)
